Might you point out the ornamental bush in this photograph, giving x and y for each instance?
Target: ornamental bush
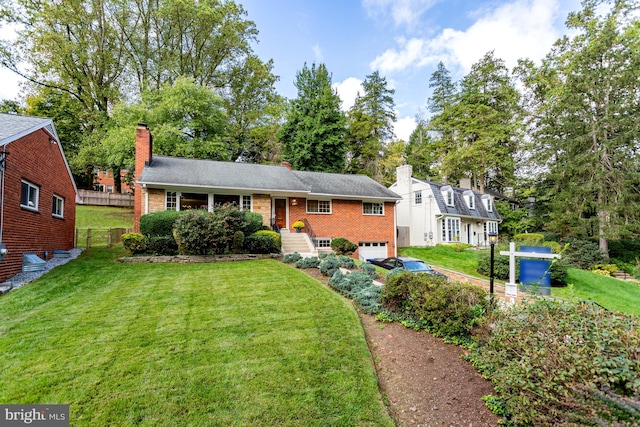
(252, 223)
(449, 310)
(158, 223)
(369, 269)
(161, 245)
(563, 363)
(292, 258)
(346, 262)
(258, 244)
(134, 242)
(360, 288)
(329, 266)
(276, 239)
(308, 262)
(583, 254)
(529, 239)
(342, 246)
(194, 232)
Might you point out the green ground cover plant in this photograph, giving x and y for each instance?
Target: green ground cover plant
(234, 344)
(103, 217)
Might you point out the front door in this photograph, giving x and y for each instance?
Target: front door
(281, 212)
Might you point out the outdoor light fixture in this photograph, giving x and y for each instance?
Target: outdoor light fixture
(294, 202)
(3, 251)
(493, 239)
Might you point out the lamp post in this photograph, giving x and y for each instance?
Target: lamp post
(493, 239)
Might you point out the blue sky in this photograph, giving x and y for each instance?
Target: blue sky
(403, 39)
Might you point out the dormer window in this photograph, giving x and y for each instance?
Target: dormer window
(470, 199)
(488, 202)
(447, 194)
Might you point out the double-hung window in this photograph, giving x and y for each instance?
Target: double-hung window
(372, 208)
(246, 203)
(58, 206)
(171, 201)
(319, 206)
(447, 194)
(29, 195)
(417, 197)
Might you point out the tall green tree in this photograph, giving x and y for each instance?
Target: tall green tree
(370, 126)
(484, 126)
(422, 151)
(587, 122)
(186, 119)
(313, 134)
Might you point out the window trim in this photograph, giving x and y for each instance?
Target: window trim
(447, 230)
(470, 199)
(37, 196)
(449, 197)
(176, 197)
(319, 211)
(417, 197)
(55, 206)
(249, 199)
(373, 213)
(488, 202)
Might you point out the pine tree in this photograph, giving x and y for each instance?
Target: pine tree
(313, 134)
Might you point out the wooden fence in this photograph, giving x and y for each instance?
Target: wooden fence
(98, 198)
(99, 237)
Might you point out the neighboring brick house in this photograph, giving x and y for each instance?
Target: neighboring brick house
(431, 213)
(37, 192)
(333, 205)
(104, 182)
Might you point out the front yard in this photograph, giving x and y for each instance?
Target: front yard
(242, 343)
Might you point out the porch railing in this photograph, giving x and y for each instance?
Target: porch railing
(309, 229)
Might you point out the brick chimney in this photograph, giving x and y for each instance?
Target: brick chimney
(286, 164)
(144, 153)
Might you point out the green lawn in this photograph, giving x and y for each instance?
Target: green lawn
(229, 344)
(609, 292)
(103, 217)
(445, 256)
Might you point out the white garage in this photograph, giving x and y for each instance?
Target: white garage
(368, 250)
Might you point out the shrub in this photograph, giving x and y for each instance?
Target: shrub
(556, 247)
(158, 223)
(162, 245)
(559, 272)
(323, 255)
(275, 237)
(583, 254)
(238, 241)
(360, 288)
(259, 244)
(252, 223)
(346, 262)
(342, 246)
(329, 266)
(369, 269)
(604, 269)
(625, 250)
(449, 310)
(134, 242)
(309, 262)
(397, 270)
(291, 258)
(225, 221)
(193, 232)
(561, 363)
(529, 239)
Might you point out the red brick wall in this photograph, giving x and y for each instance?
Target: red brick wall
(107, 180)
(35, 159)
(143, 155)
(346, 220)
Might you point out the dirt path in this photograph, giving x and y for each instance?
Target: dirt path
(425, 380)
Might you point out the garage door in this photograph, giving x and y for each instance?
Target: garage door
(368, 250)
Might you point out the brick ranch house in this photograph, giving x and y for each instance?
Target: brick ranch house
(37, 192)
(332, 205)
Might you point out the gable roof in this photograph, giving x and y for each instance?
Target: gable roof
(200, 173)
(460, 207)
(13, 127)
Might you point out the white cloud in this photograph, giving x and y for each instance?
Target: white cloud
(317, 53)
(10, 81)
(404, 127)
(404, 12)
(519, 29)
(348, 90)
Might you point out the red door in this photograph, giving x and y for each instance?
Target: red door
(281, 213)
